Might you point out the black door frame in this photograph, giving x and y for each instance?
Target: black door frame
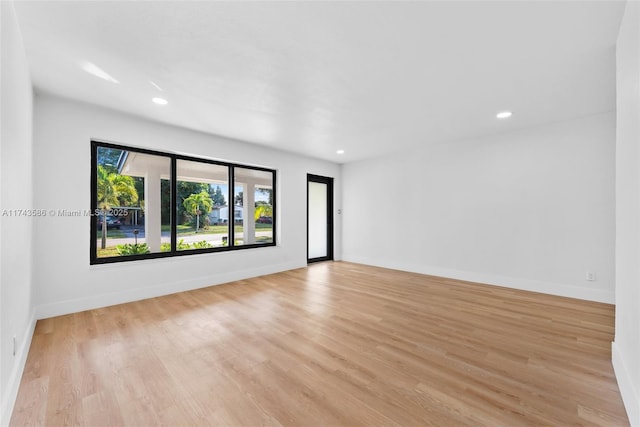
(329, 182)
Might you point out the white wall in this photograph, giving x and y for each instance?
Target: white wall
(532, 209)
(15, 193)
(63, 279)
(626, 347)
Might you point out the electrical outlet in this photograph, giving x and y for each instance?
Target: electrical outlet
(14, 345)
(590, 276)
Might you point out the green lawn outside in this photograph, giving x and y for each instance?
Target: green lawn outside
(186, 230)
(111, 234)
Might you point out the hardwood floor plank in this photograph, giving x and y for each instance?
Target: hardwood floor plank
(329, 345)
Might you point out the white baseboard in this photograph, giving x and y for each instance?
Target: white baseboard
(13, 385)
(105, 300)
(630, 395)
(492, 279)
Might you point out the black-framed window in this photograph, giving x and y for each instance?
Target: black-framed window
(150, 204)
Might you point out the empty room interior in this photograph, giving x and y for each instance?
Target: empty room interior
(322, 213)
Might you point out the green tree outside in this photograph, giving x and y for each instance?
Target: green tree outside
(183, 189)
(198, 204)
(263, 209)
(114, 190)
(218, 197)
(269, 193)
(239, 199)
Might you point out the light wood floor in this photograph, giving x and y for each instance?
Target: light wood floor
(329, 345)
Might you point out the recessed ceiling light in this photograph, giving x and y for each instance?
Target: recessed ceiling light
(504, 114)
(340, 152)
(96, 71)
(160, 101)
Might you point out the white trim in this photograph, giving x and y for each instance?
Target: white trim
(108, 299)
(551, 288)
(630, 395)
(13, 385)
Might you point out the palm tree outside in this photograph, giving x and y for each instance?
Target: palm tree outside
(198, 204)
(114, 190)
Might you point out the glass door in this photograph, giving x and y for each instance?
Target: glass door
(319, 218)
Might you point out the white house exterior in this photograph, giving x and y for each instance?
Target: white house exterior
(221, 214)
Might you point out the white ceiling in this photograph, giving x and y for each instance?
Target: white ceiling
(314, 77)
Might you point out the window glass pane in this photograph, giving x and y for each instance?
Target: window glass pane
(134, 204)
(317, 218)
(133, 194)
(253, 206)
(202, 206)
